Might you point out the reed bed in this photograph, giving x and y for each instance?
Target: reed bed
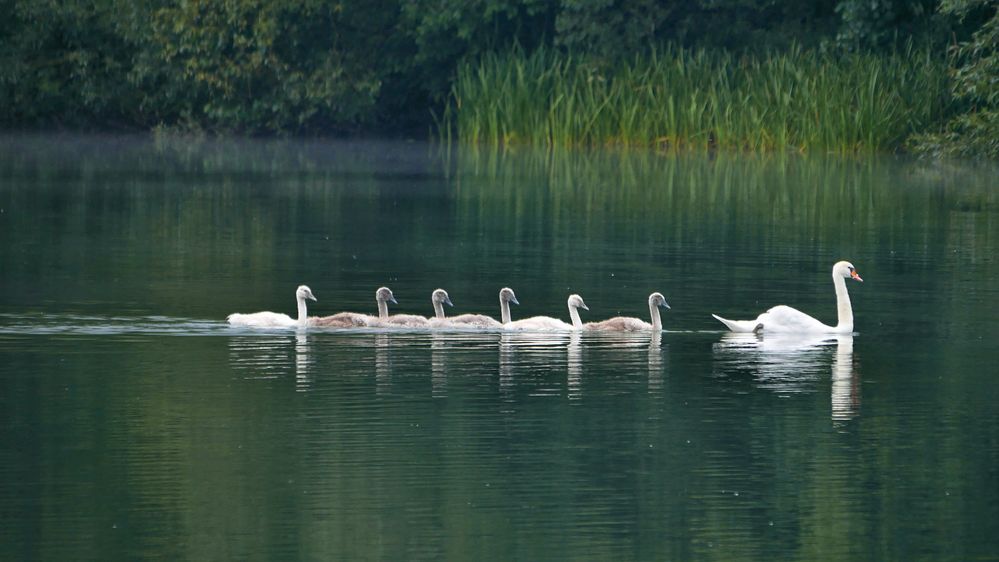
(694, 99)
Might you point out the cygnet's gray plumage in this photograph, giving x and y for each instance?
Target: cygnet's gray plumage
(506, 296)
(356, 320)
(628, 324)
(398, 320)
(439, 298)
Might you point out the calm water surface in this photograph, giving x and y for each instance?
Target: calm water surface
(136, 424)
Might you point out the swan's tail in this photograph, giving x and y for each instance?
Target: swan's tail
(740, 325)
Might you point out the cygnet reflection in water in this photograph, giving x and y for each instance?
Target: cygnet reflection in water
(302, 361)
(262, 356)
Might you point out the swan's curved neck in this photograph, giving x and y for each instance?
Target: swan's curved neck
(303, 313)
(382, 309)
(574, 315)
(439, 310)
(843, 307)
(657, 321)
(504, 310)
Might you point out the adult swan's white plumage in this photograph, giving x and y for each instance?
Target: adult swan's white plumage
(786, 319)
(547, 323)
(627, 324)
(274, 319)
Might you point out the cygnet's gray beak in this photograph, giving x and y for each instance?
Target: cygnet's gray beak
(310, 296)
(448, 301)
(665, 305)
(583, 306)
(392, 300)
(514, 300)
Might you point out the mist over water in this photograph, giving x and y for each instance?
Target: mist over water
(137, 423)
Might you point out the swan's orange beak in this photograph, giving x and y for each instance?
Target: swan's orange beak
(856, 277)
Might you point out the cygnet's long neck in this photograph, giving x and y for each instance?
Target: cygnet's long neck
(843, 308)
(438, 309)
(303, 313)
(657, 321)
(574, 315)
(382, 309)
(504, 310)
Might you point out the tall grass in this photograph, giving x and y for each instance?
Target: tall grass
(695, 99)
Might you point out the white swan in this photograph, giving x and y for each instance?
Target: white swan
(627, 324)
(275, 319)
(786, 319)
(506, 296)
(356, 320)
(548, 323)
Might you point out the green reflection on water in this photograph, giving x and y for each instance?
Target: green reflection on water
(326, 445)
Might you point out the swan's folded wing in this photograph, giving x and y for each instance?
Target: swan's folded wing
(539, 323)
(742, 326)
(474, 320)
(619, 324)
(344, 320)
(260, 320)
(786, 319)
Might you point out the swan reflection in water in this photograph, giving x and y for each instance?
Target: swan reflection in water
(302, 361)
(383, 364)
(271, 356)
(656, 367)
(845, 382)
(438, 365)
(525, 354)
(574, 366)
(793, 363)
(264, 356)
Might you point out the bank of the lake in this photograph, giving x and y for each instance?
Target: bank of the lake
(738, 75)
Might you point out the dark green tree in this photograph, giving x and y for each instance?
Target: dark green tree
(880, 24)
(66, 63)
(254, 65)
(975, 130)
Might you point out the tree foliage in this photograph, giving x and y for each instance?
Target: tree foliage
(878, 24)
(615, 28)
(264, 66)
(331, 66)
(975, 130)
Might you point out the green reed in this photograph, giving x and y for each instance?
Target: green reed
(695, 99)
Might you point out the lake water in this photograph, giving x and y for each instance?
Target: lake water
(137, 424)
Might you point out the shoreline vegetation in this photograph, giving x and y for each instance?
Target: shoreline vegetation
(680, 99)
(845, 76)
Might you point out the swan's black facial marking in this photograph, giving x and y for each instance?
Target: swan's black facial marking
(854, 275)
